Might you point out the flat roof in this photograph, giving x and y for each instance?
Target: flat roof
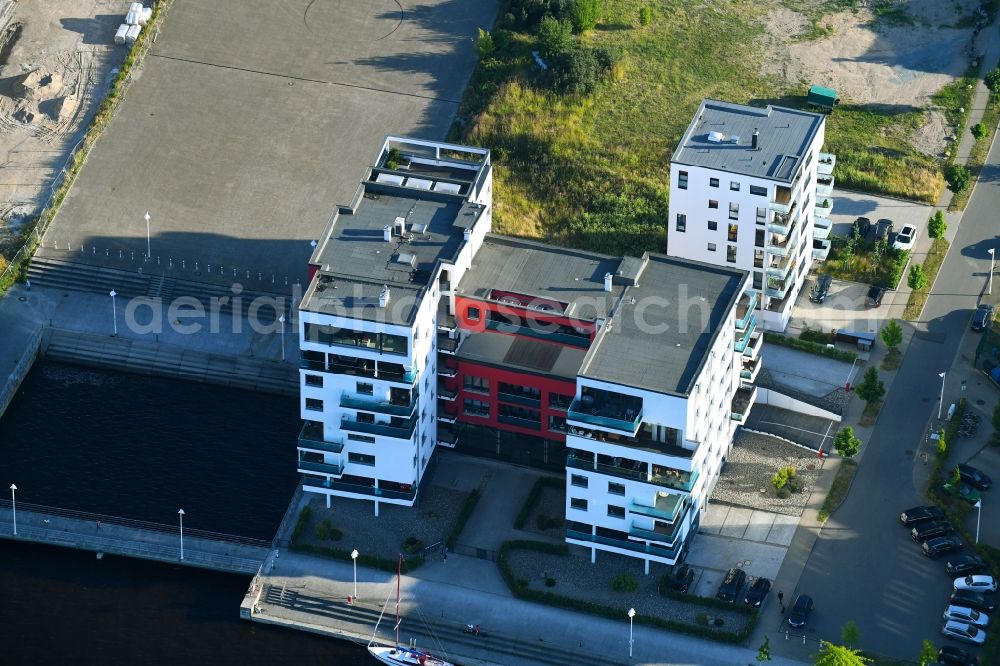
(574, 279)
(517, 353)
(659, 336)
(720, 135)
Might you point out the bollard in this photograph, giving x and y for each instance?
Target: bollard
(133, 255)
(258, 277)
(119, 254)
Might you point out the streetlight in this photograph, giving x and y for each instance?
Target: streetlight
(114, 311)
(180, 512)
(148, 253)
(941, 401)
(989, 288)
(979, 514)
(13, 504)
(282, 320)
(354, 557)
(631, 614)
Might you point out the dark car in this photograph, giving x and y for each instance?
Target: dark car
(874, 297)
(800, 610)
(935, 548)
(965, 565)
(757, 592)
(956, 656)
(975, 600)
(680, 579)
(879, 230)
(931, 529)
(974, 477)
(982, 318)
(919, 514)
(821, 289)
(862, 226)
(732, 585)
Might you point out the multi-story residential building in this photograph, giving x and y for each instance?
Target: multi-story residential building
(629, 374)
(750, 188)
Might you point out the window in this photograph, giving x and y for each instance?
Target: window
(314, 380)
(734, 211)
(712, 226)
(365, 417)
(580, 504)
(616, 488)
(616, 511)
(314, 405)
(734, 186)
(759, 238)
(713, 204)
(557, 424)
(731, 254)
(361, 459)
(734, 230)
(758, 280)
(713, 182)
(682, 180)
(682, 222)
(474, 314)
(365, 389)
(559, 401)
(361, 438)
(476, 408)
(758, 258)
(761, 215)
(579, 480)
(711, 247)
(476, 384)
(759, 191)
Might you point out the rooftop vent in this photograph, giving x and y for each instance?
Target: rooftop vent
(387, 233)
(735, 138)
(607, 281)
(405, 259)
(716, 137)
(418, 228)
(399, 226)
(753, 139)
(383, 296)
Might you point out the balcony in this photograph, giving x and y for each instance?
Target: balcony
(665, 534)
(446, 417)
(778, 288)
(311, 437)
(519, 422)
(446, 393)
(401, 431)
(756, 341)
(309, 362)
(446, 370)
(782, 200)
(783, 222)
(645, 549)
(743, 400)
(368, 404)
(744, 309)
(821, 249)
(779, 267)
(826, 163)
(742, 340)
(824, 186)
(750, 370)
(445, 320)
(640, 441)
(823, 211)
(782, 245)
(519, 398)
(447, 345)
(305, 467)
(627, 420)
(665, 477)
(359, 489)
(447, 436)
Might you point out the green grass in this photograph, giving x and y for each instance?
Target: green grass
(915, 304)
(838, 490)
(870, 414)
(893, 359)
(977, 157)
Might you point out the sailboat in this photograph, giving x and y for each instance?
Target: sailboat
(402, 656)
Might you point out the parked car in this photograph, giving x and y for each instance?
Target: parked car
(956, 656)
(732, 585)
(965, 565)
(974, 477)
(919, 514)
(882, 229)
(972, 599)
(680, 579)
(967, 633)
(757, 592)
(821, 289)
(962, 491)
(862, 226)
(935, 548)
(967, 615)
(982, 318)
(976, 583)
(905, 238)
(930, 530)
(800, 610)
(874, 297)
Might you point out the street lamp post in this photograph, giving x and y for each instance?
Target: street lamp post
(979, 514)
(631, 614)
(148, 253)
(941, 400)
(13, 505)
(180, 513)
(354, 558)
(281, 319)
(114, 312)
(989, 284)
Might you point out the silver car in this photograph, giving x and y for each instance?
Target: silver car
(966, 615)
(967, 633)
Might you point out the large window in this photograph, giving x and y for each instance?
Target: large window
(476, 384)
(364, 388)
(682, 222)
(734, 230)
(734, 186)
(712, 203)
(713, 182)
(576, 503)
(476, 408)
(734, 211)
(329, 335)
(616, 511)
(682, 180)
(579, 480)
(559, 401)
(361, 459)
(759, 191)
(616, 488)
(761, 215)
(314, 405)
(314, 380)
(731, 254)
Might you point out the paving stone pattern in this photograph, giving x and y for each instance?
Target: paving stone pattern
(552, 503)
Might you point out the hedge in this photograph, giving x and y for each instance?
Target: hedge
(371, 561)
(536, 490)
(463, 517)
(522, 591)
(811, 347)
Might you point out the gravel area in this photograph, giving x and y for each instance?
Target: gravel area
(746, 480)
(576, 577)
(384, 536)
(551, 502)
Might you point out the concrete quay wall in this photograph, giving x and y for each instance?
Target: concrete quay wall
(20, 370)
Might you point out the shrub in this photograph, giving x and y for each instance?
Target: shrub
(701, 618)
(942, 444)
(550, 582)
(936, 226)
(819, 337)
(784, 492)
(811, 347)
(556, 36)
(846, 443)
(575, 71)
(957, 177)
(979, 131)
(585, 14)
(463, 517)
(992, 80)
(718, 622)
(781, 478)
(325, 531)
(624, 582)
(393, 159)
(645, 15)
(484, 43)
(917, 279)
(899, 261)
(892, 334)
(413, 545)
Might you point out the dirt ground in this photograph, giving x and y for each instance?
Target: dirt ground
(56, 62)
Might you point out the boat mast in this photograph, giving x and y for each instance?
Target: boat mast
(399, 570)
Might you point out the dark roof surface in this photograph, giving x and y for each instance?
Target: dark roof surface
(515, 353)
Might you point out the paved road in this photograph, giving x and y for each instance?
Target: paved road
(864, 566)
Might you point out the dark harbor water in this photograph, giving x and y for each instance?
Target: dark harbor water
(142, 447)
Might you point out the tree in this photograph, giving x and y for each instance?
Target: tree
(892, 334)
(957, 176)
(917, 278)
(846, 443)
(936, 226)
(850, 633)
(484, 43)
(556, 36)
(838, 655)
(928, 653)
(992, 80)
(979, 130)
(585, 14)
(871, 387)
(764, 651)
(879, 249)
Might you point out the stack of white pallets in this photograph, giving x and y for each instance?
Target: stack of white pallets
(135, 19)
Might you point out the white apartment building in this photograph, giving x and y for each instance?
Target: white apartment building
(750, 188)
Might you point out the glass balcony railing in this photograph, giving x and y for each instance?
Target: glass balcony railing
(652, 535)
(628, 421)
(826, 163)
(742, 340)
(311, 437)
(404, 431)
(521, 423)
(519, 398)
(661, 476)
(756, 341)
(823, 211)
(321, 468)
(624, 544)
(379, 406)
(358, 489)
(744, 309)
